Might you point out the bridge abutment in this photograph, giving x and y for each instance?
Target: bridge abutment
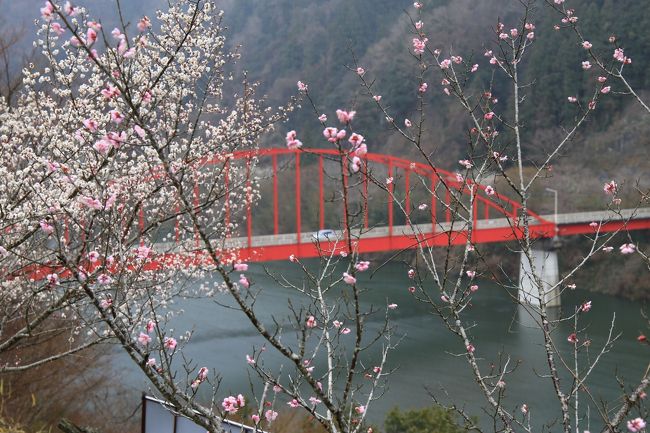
(542, 267)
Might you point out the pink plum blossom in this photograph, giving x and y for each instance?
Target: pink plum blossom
(322, 118)
(361, 149)
(360, 71)
(302, 86)
(91, 37)
(610, 187)
(620, 56)
(57, 28)
(241, 267)
(489, 190)
(473, 288)
(93, 256)
(605, 90)
(423, 206)
(470, 348)
(311, 322)
(345, 117)
(52, 279)
(103, 146)
(355, 139)
(331, 134)
(362, 266)
(144, 24)
(46, 227)
(256, 418)
(69, 9)
(586, 45)
(292, 142)
(116, 116)
(349, 279)
(392, 306)
(407, 123)
(572, 338)
(423, 87)
(270, 415)
(636, 425)
(143, 251)
(360, 409)
(144, 339)
(90, 124)
(75, 41)
(419, 45)
(47, 11)
(249, 360)
(170, 343)
(627, 248)
(232, 404)
(243, 281)
(104, 279)
(585, 307)
(110, 92)
(151, 325)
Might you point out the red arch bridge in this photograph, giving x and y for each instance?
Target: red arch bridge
(416, 208)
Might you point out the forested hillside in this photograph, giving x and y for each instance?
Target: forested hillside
(285, 41)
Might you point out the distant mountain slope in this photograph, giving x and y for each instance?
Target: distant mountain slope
(283, 41)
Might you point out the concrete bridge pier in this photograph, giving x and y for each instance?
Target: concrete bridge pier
(546, 267)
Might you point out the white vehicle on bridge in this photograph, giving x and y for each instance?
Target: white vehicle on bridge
(324, 235)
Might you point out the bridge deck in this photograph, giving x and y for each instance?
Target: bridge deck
(404, 236)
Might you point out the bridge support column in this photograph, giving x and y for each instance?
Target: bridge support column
(546, 268)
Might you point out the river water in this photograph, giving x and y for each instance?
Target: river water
(424, 360)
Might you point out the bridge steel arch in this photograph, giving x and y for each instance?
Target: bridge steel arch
(495, 218)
